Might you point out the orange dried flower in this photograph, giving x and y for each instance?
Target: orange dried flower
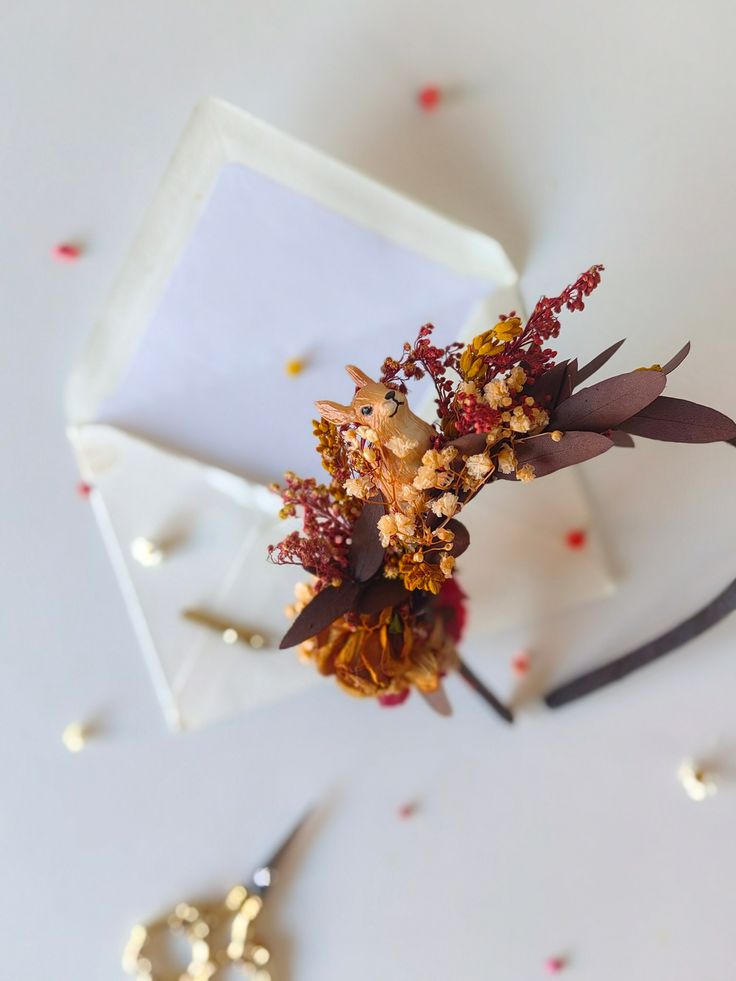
(383, 654)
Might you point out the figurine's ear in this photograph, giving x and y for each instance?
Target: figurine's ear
(335, 413)
(359, 377)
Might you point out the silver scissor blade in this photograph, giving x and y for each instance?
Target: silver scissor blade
(263, 876)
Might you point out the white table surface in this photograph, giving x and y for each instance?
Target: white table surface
(579, 134)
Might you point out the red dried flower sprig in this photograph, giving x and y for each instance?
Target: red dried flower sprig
(327, 522)
(422, 358)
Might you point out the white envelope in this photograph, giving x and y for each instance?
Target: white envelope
(259, 250)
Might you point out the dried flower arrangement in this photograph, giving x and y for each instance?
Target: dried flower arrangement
(383, 612)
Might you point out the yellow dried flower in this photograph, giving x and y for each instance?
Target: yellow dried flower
(420, 575)
(386, 528)
(445, 505)
(396, 523)
(329, 444)
(507, 460)
(447, 564)
(479, 465)
(520, 421)
(400, 446)
(471, 360)
(525, 473)
(360, 487)
(496, 392)
(516, 379)
(507, 330)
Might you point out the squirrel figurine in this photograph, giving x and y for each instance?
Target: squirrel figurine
(403, 437)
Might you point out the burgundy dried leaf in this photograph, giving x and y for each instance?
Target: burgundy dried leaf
(366, 552)
(376, 596)
(462, 536)
(546, 390)
(677, 360)
(470, 444)
(609, 403)
(437, 701)
(597, 362)
(326, 607)
(547, 456)
(619, 438)
(680, 421)
(568, 382)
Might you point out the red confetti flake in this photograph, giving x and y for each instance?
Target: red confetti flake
(393, 699)
(84, 489)
(429, 98)
(407, 810)
(554, 965)
(520, 664)
(576, 539)
(67, 252)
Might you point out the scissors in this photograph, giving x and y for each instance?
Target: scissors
(219, 935)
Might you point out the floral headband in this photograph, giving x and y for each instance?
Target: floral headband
(383, 612)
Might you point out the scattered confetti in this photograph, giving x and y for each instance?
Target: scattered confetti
(66, 252)
(576, 539)
(429, 98)
(554, 965)
(520, 664)
(696, 782)
(294, 367)
(74, 737)
(146, 552)
(84, 489)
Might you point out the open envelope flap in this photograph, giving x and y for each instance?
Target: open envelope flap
(214, 529)
(288, 199)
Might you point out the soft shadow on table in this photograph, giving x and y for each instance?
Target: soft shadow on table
(433, 158)
(550, 637)
(270, 929)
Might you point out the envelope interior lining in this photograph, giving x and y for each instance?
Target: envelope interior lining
(270, 275)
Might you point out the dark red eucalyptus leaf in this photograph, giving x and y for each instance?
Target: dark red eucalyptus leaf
(326, 607)
(470, 444)
(568, 382)
(546, 390)
(547, 456)
(462, 536)
(619, 438)
(437, 701)
(680, 421)
(609, 403)
(677, 360)
(597, 362)
(366, 552)
(377, 595)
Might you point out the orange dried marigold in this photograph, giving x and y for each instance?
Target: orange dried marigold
(420, 575)
(383, 654)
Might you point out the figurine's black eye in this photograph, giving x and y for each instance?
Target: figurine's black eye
(367, 410)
